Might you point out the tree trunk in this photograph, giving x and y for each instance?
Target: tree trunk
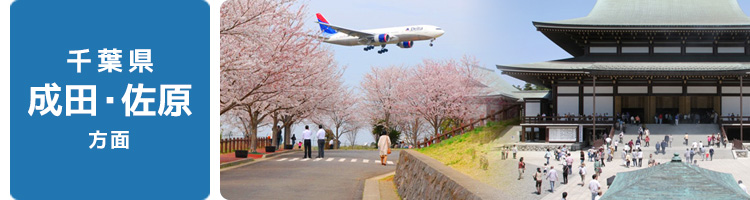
(253, 137)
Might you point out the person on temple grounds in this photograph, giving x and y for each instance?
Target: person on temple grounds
(384, 147)
(594, 187)
(515, 151)
(521, 168)
(663, 147)
(321, 141)
(565, 174)
(307, 136)
(569, 164)
(583, 156)
(538, 180)
(582, 172)
(686, 140)
(742, 186)
(640, 158)
(552, 177)
(711, 153)
(658, 147)
(547, 155)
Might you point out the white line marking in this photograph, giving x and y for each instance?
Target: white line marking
(342, 160)
(317, 159)
(365, 161)
(293, 159)
(354, 160)
(306, 159)
(283, 159)
(390, 162)
(329, 159)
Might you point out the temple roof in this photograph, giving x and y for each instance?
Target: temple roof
(674, 180)
(659, 13)
(625, 67)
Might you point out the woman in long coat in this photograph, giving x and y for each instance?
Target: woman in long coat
(384, 144)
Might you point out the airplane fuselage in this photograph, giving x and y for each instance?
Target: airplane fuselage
(397, 34)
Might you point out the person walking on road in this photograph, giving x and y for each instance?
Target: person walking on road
(521, 168)
(552, 177)
(384, 147)
(294, 139)
(321, 141)
(306, 136)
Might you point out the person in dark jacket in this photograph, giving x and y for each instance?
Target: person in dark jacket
(294, 138)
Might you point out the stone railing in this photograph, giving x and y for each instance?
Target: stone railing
(541, 147)
(421, 177)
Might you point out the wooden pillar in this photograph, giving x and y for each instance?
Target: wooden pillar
(650, 109)
(684, 105)
(618, 104)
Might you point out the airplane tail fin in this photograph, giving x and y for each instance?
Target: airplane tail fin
(324, 28)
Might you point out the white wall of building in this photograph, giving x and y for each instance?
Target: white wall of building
(667, 89)
(731, 105)
(604, 104)
(567, 105)
(533, 108)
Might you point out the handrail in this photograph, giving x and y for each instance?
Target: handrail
(567, 119)
(437, 139)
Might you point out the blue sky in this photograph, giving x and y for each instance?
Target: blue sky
(495, 31)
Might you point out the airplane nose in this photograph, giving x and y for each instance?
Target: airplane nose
(440, 33)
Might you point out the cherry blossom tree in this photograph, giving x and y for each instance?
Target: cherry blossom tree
(341, 115)
(266, 57)
(380, 98)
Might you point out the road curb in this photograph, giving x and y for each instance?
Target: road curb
(240, 163)
(372, 187)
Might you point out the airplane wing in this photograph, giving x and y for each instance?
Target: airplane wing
(347, 31)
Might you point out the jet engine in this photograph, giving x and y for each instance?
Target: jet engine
(405, 44)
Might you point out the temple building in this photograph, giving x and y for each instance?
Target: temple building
(649, 59)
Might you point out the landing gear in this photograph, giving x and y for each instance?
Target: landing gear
(367, 48)
(433, 39)
(383, 49)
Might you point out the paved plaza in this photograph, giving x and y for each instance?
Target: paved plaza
(723, 162)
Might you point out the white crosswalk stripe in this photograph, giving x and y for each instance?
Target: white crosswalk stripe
(342, 160)
(306, 159)
(365, 161)
(293, 159)
(389, 162)
(283, 159)
(317, 159)
(354, 160)
(329, 159)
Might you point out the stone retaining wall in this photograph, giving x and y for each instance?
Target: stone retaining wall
(421, 177)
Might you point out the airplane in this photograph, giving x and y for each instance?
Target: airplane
(403, 36)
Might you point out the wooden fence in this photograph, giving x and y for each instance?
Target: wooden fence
(229, 145)
(468, 127)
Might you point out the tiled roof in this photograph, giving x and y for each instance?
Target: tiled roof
(674, 180)
(661, 13)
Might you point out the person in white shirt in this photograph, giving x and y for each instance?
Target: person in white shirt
(306, 136)
(321, 140)
(552, 177)
(594, 187)
(744, 188)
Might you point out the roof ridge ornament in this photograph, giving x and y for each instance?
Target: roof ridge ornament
(676, 158)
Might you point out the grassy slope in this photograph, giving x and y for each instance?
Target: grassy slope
(463, 152)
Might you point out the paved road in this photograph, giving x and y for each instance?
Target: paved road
(289, 177)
